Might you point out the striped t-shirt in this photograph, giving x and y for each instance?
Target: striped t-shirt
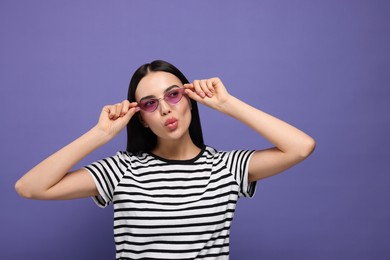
(169, 209)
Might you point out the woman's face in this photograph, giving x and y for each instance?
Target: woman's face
(169, 121)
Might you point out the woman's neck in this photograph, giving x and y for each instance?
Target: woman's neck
(183, 149)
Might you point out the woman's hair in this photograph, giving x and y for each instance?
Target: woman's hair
(141, 139)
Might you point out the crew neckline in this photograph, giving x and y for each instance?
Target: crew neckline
(188, 161)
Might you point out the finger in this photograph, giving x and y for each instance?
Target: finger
(118, 110)
(126, 105)
(210, 86)
(198, 88)
(193, 95)
(130, 113)
(205, 88)
(132, 104)
(215, 81)
(114, 111)
(106, 110)
(188, 86)
(111, 111)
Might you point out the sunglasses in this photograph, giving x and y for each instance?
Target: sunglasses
(172, 97)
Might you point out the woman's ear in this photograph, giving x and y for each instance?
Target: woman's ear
(142, 121)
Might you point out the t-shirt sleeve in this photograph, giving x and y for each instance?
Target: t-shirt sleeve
(237, 162)
(106, 174)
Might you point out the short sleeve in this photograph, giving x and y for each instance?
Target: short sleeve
(106, 174)
(237, 162)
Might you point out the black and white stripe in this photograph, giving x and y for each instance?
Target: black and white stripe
(165, 209)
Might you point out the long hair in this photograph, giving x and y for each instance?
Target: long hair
(141, 139)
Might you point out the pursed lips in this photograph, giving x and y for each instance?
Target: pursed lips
(170, 121)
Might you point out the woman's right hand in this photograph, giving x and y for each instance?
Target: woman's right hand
(114, 118)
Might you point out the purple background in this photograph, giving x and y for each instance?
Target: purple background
(323, 66)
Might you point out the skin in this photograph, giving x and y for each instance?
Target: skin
(52, 179)
(175, 144)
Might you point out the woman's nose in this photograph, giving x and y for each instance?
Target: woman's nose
(164, 107)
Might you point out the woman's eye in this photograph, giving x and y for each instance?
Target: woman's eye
(173, 93)
(149, 103)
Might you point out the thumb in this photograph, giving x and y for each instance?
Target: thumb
(130, 114)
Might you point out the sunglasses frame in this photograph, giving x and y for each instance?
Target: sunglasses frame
(166, 98)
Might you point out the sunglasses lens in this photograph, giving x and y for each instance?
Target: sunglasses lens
(149, 105)
(174, 96)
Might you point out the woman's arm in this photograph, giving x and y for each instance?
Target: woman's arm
(50, 178)
(291, 144)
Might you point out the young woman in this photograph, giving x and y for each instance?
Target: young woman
(174, 197)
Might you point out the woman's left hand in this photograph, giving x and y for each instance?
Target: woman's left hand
(210, 92)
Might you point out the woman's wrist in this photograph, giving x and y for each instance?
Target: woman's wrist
(98, 136)
(229, 105)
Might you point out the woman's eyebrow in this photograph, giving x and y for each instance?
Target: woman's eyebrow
(165, 91)
(171, 87)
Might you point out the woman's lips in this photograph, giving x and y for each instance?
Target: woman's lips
(171, 123)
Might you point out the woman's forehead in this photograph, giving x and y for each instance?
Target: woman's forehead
(155, 83)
